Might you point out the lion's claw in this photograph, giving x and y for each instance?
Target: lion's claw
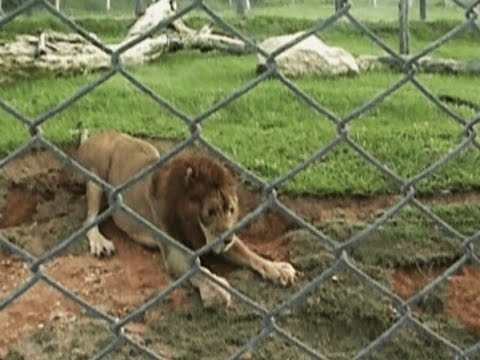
(99, 245)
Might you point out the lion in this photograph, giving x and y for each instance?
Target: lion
(193, 198)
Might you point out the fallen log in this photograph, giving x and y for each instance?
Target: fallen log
(70, 54)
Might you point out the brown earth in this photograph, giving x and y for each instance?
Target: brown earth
(463, 292)
(464, 298)
(44, 204)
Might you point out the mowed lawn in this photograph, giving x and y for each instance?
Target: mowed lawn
(269, 130)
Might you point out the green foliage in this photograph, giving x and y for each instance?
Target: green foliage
(410, 240)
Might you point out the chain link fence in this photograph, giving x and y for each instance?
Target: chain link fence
(338, 250)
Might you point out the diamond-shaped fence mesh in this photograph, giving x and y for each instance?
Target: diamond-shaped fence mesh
(271, 202)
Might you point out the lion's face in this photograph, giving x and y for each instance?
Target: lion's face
(218, 213)
(201, 196)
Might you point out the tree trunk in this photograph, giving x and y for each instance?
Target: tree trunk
(59, 53)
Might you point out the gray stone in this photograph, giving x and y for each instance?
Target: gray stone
(311, 56)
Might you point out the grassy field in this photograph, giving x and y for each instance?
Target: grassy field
(272, 133)
(386, 10)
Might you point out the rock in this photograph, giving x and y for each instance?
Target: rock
(310, 56)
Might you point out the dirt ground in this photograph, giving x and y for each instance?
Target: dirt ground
(42, 203)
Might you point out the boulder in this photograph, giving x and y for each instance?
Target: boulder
(310, 56)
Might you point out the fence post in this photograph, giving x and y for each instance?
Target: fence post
(339, 4)
(403, 27)
(242, 6)
(57, 5)
(139, 8)
(108, 5)
(423, 9)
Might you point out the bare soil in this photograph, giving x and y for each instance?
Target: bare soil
(464, 298)
(463, 291)
(44, 203)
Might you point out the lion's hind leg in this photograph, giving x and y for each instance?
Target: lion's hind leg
(99, 245)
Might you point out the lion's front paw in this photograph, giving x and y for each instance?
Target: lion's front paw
(213, 295)
(280, 272)
(99, 245)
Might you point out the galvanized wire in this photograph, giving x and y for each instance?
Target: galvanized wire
(341, 259)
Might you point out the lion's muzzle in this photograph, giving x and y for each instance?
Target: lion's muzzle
(210, 238)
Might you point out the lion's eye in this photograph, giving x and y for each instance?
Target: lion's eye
(232, 209)
(211, 212)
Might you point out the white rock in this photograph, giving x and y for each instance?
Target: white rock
(310, 56)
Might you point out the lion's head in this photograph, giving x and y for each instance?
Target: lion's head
(202, 200)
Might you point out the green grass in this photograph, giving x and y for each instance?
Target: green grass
(361, 10)
(269, 130)
(303, 9)
(410, 240)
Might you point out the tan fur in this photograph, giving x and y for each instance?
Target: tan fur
(193, 198)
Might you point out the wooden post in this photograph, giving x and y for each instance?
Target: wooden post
(57, 5)
(423, 9)
(108, 5)
(403, 25)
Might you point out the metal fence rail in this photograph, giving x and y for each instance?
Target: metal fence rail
(338, 250)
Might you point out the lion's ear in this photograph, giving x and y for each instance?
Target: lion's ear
(189, 176)
(156, 184)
